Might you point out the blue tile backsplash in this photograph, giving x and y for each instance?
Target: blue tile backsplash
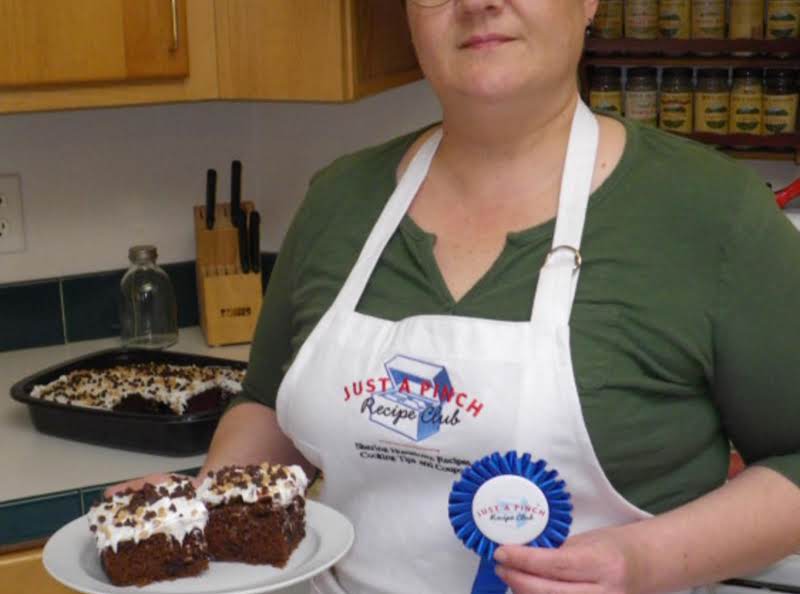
(32, 518)
(30, 315)
(37, 517)
(90, 305)
(34, 314)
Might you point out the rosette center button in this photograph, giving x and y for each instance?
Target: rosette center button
(510, 509)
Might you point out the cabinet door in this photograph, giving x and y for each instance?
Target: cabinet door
(281, 49)
(77, 41)
(312, 50)
(382, 54)
(24, 573)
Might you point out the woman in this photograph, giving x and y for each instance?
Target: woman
(629, 382)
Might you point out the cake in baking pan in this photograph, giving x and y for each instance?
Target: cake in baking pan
(157, 388)
(151, 534)
(256, 512)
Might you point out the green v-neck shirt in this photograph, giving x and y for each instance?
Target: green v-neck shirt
(684, 328)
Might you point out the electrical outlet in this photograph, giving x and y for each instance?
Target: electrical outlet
(12, 231)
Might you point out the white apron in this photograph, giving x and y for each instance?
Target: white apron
(391, 412)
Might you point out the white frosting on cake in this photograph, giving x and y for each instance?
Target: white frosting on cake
(170, 508)
(254, 483)
(171, 385)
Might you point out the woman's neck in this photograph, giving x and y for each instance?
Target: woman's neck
(510, 143)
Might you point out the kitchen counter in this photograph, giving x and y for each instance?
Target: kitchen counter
(44, 476)
(41, 464)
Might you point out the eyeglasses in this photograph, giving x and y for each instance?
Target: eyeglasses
(429, 3)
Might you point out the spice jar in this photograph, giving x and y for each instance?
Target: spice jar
(780, 101)
(605, 94)
(708, 19)
(712, 101)
(608, 19)
(746, 19)
(783, 19)
(641, 19)
(747, 96)
(675, 112)
(641, 96)
(674, 19)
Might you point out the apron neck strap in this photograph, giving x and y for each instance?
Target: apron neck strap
(576, 182)
(558, 278)
(387, 223)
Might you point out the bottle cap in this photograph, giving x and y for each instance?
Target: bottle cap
(142, 253)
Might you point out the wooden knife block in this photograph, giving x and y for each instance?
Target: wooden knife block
(229, 299)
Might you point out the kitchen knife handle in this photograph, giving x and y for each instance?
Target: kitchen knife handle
(255, 241)
(175, 40)
(236, 189)
(244, 256)
(211, 197)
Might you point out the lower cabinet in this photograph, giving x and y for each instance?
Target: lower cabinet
(22, 572)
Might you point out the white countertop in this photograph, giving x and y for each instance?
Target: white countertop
(36, 464)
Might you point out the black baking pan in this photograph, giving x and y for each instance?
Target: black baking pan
(164, 434)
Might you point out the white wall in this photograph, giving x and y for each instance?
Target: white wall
(97, 181)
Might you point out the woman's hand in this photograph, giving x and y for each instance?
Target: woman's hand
(596, 562)
(153, 479)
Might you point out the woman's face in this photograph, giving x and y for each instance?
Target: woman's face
(496, 49)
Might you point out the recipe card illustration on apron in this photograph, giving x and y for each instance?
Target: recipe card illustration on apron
(414, 398)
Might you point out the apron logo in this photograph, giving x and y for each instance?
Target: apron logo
(411, 398)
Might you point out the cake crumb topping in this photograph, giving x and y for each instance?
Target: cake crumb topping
(162, 383)
(172, 508)
(265, 482)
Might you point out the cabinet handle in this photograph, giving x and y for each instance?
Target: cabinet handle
(175, 40)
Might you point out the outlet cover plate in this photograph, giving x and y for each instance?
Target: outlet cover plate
(12, 230)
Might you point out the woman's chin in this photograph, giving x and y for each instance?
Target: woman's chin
(491, 92)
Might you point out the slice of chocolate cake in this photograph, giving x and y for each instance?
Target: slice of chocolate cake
(256, 513)
(153, 534)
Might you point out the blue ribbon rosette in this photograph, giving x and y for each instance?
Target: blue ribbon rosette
(508, 499)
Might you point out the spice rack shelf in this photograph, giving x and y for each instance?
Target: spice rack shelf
(782, 147)
(773, 53)
(769, 52)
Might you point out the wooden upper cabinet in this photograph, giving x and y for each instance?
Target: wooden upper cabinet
(312, 50)
(69, 54)
(382, 55)
(45, 42)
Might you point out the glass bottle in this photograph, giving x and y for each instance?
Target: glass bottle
(712, 101)
(674, 19)
(780, 101)
(605, 94)
(641, 19)
(608, 19)
(148, 312)
(641, 96)
(783, 19)
(746, 19)
(708, 19)
(747, 98)
(676, 100)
